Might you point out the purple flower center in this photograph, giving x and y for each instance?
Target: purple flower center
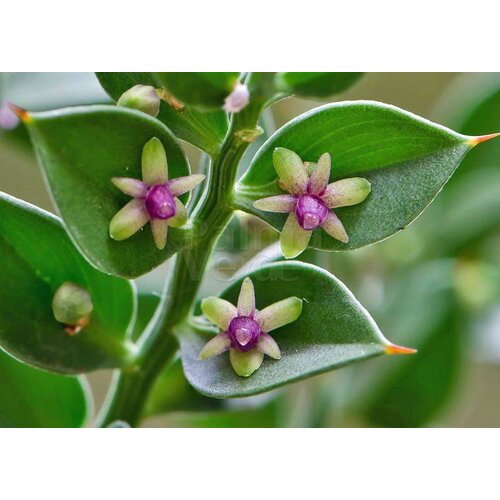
(310, 211)
(160, 202)
(244, 333)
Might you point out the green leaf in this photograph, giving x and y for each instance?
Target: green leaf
(411, 391)
(406, 159)
(315, 84)
(201, 90)
(206, 130)
(80, 150)
(36, 257)
(333, 330)
(35, 398)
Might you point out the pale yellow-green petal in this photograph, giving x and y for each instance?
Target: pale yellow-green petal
(131, 187)
(181, 216)
(346, 192)
(282, 203)
(154, 163)
(219, 344)
(246, 299)
(245, 363)
(320, 175)
(128, 220)
(290, 170)
(334, 227)
(267, 345)
(159, 227)
(182, 185)
(279, 314)
(294, 239)
(219, 311)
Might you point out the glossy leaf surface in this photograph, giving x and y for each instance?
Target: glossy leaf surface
(80, 150)
(205, 130)
(406, 159)
(36, 257)
(333, 330)
(34, 398)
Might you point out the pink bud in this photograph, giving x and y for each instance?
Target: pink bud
(237, 99)
(8, 120)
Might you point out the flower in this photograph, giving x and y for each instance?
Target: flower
(245, 330)
(310, 200)
(154, 198)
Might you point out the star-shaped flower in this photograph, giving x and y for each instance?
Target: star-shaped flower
(310, 200)
(155, 197)
(245, 330)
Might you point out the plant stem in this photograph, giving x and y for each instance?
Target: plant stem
(158, 345)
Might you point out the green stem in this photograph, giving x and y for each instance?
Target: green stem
(158, 345)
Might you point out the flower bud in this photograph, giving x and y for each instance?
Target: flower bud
(8, 120)
(237, 99)
(141, 97)
(72, 305)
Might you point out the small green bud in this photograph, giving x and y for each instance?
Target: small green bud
(141, 97)
(72, 305)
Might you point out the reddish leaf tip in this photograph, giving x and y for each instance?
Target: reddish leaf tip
(398, 349)
(482, 138)
(21, 113)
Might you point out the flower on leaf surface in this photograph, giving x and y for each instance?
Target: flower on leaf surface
(155, 198)
(245, 330)
(310, 200)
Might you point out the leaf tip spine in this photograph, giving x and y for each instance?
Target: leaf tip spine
(21, 113)
(474, 141)
(398, 349)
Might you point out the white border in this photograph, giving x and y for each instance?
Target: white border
(258, 35)
(249, 464)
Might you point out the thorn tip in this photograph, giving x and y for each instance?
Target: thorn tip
(482, 138)
(398, 349)
(21, 113)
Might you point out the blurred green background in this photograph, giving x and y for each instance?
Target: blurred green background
(435, 286)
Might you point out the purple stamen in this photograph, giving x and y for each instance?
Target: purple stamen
(310, 211)
(160, 202)
(244, 333)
